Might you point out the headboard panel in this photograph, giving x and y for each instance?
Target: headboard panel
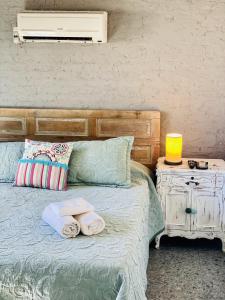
(16, 124)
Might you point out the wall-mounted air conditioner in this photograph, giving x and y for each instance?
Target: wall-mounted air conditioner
(61, 26)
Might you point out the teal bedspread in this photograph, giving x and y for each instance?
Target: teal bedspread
(36, 263)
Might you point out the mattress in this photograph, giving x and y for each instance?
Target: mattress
(36, 263)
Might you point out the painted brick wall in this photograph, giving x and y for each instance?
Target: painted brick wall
(162, 54)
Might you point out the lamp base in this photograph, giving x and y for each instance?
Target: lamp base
(166, 162)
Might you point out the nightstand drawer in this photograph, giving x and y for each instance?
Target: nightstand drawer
(193, 181)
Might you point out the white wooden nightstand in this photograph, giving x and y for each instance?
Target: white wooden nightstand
(193, 201)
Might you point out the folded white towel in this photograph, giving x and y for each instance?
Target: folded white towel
(90, 223)
(71, 207)
(66, 226)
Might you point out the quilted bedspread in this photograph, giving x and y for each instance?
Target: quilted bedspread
(36, 263)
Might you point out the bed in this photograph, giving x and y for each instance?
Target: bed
(35, 262)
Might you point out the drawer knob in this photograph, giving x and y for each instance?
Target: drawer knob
(191, 181)
(189, 210)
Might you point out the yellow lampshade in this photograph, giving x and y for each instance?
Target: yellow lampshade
(173, 149)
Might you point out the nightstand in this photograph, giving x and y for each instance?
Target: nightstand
(193, 201)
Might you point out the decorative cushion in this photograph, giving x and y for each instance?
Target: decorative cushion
(10, 153)
(101, 162)
(44, 165)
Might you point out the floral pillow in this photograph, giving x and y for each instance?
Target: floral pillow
(44, 165)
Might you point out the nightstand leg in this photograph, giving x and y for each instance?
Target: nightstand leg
(223, 246)
(157, 240)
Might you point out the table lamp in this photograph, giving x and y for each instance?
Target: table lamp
(173, 149)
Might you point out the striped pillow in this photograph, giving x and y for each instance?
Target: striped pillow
(38, 173)
(44, 165)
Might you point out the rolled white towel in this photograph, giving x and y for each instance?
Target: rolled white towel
(90, 223)
(71, 207)
(66, 226)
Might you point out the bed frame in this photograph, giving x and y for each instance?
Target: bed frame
(16, 124)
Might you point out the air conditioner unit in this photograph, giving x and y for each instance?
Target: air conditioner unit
(61, 27)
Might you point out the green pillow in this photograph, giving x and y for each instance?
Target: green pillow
(101, 162)
(10, 153)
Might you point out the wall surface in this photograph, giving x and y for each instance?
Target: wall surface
(162, 54)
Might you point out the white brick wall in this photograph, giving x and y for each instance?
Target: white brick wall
(162, 54)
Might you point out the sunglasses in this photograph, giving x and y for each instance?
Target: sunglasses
(201, 165)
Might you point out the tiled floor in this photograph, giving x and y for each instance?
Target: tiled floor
(186, 270)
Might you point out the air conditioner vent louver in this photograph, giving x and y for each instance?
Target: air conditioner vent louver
(70, 27)
(58, 38)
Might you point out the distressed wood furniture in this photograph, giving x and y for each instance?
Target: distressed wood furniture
(16, 124)
(193, 201)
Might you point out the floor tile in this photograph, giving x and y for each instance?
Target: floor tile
(186, 270)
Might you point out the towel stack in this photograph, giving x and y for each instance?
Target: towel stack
(70, 217)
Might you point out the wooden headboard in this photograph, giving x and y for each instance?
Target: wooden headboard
(16, 124)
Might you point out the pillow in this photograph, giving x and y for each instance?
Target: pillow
(101, 162)
(44, 165)
(10, 153)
